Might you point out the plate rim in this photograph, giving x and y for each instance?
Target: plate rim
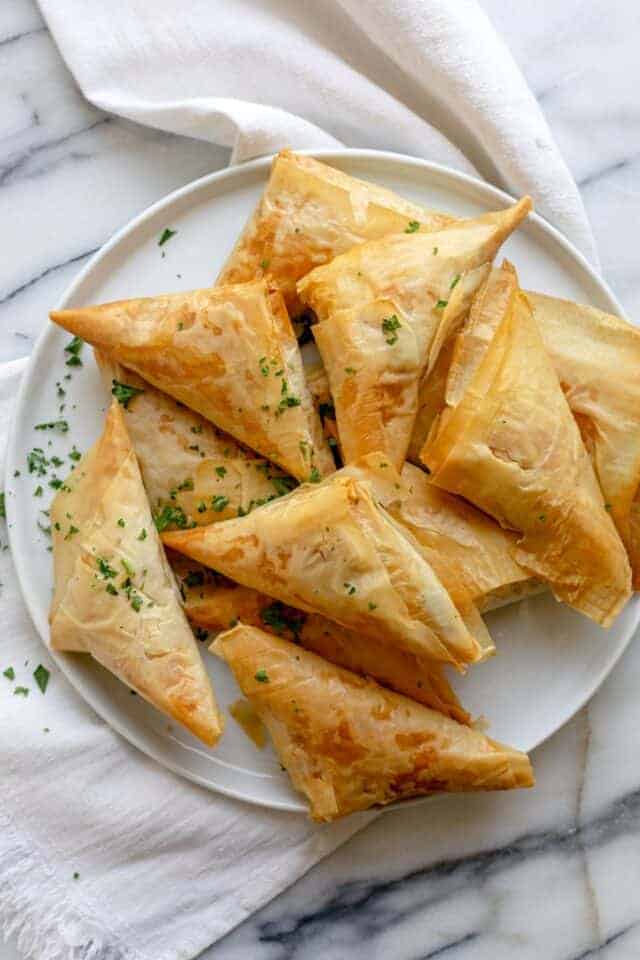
(127, 730)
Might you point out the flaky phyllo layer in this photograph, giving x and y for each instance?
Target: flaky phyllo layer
(509, 443)
(115, 595)
(348, 743)
(229, 354)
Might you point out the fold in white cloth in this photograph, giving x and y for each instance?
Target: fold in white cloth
(425, 77)
(103, 854)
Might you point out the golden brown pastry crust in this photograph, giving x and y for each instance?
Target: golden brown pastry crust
(191, 470)
(115, 595)
(512, 447)
(310, 213)
(347, 743)
(385, 309)
(330, 549)
(214, 603)
(597, 359)
(228, 353)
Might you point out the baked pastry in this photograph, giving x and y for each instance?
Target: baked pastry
(228, 353)
(214, 603)
(385, 309)
(349, 744)
(512, 447)
(193, 473)
(597, 359)
(115, 596)
(309, 213)
(330, 549)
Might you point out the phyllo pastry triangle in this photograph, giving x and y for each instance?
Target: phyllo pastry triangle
(228, 353)
(214, 603)
(192, 472)
(385, 309)
(310, 213)
(115, 596)
(349, 744)
(597, 359)
(331, 549)
(512, 447)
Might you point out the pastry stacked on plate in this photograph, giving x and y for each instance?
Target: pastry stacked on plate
(340, 527)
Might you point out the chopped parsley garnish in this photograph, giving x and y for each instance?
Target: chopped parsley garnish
(287, 400)
(171, 515)
(71, 531)
(37, 462)
(186, 484)
(121, 522)
(107, 572)
(435, 251)
(542, 517)
(56, 483)
(219, 503)
(126, 566)
(194, 578)
(76, 875)
(314, 476)
(264, 264)
(60, 425)
(441, 304)
(73, 348)
(261, 676)
(56, 461)
(350, 370)
(21, 692)
(197, 429)
(111, 589)
(279, 618)
(390, 327)
(373, 606)
(412, 226)
(3, 506)
(9, 673)
(455, 281)
(136, 602)
(124, 392)
(166, 235)
(142, 535)
(221, 471)
(283, 485)
(41, 676)
(202, 507)
(350, 588)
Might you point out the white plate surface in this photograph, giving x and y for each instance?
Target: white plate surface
(550, 659)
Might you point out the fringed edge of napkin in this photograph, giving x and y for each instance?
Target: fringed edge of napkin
(37, 913)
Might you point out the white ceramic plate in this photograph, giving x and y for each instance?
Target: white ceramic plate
(550, 660)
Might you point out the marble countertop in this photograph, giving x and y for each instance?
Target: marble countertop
(552, 875)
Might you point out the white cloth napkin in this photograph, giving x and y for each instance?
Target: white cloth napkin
(426, 77)
(165, 868)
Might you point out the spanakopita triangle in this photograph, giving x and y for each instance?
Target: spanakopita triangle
(385, 310)
(228, 353)
(309, 213)
(193, 473)
(213, 603)
(331, 549)
(115, 596)
(349, 744)
(512, 447)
